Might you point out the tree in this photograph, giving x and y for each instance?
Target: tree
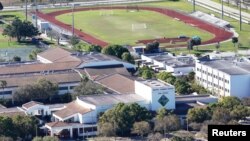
(234, 40)
(107, 129)
(152, 47)
(123, 116)
(246, 101)
(161, 113)
(182, 87)
(176, 138)
(146, 72)
(3, 84)
(217, 46)
(54, 34)
(45, 138)
(167, 124)
(7, 127)
(167, 77)
(1, 6)
(141, 128)
(221, 115)
(191, 76)
(115, 50)
(42, 89)
(33, 54)
(87, 87)
(17, 59)
(126, 56)
(155, 136)
(20, 29)
(93, 48)
(74, 40)
(3, 138)
(198, 115)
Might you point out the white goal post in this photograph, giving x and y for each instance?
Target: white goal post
(139, 26)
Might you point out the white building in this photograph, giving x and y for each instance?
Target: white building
(225, 78)
(177, 65)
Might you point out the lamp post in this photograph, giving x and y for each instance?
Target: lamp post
(26, 10)
(73, 20)
(222, 9)
(193, 5)
(240, 17)
(36, 11)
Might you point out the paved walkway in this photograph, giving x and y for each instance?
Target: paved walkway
(228, 10)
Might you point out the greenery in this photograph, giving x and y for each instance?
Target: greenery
(17, 59)
(33, 54)
(152, 47)
(118, 27)
(226, 111)
(18, 126)
(122, 117)
(87, 87)
(45, 138)
(115, 50)
(146, 72)
(81, 47)
(74, 40)
(41, 90)
(141, 128)
(20, 29)
(167, 124)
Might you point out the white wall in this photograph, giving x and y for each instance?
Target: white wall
(240, 86)
(43, 60)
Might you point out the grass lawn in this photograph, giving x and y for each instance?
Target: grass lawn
(117, 28)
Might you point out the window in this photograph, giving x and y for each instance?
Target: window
(81, 130)
(90, 129)
(6, 93)
(72, 87)
(63, 88)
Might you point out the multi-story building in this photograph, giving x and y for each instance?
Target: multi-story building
(224, 77)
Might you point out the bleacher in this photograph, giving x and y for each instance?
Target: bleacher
(210, 19)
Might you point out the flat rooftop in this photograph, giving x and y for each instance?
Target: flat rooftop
(229, 67)
(205, 99)
(111, 99)
(155, 83)
(174, 61)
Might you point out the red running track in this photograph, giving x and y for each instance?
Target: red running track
(220, 34)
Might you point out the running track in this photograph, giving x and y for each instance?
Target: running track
(220, 34)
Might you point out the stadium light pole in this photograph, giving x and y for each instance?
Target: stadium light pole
(240, 17)
(193, 5)
(73, 20)
(36, 11)
(222, 9)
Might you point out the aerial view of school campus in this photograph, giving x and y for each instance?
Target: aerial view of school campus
(124, 70)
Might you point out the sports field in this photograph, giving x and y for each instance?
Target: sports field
(115, 26)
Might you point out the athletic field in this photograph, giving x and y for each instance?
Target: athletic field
(127, 27)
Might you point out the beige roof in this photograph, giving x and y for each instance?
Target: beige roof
(119, 83)
(97, 73)
(58, 55)
(37, 68)
(31, 104)
(71, 109)
(55, 78)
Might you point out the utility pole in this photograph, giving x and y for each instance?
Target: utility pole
(36, 11)
(26, 10)
(240, 17)
(73, 20)
(193, 5)
(222, 9)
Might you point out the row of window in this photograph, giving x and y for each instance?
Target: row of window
(5, 92)
(213, 75)
(66, 88)
(213, 84)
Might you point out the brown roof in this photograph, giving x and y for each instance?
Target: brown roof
(97, 73)
(37, 68)
(58, 55)
(31, 104)
(119, 83)
(71, 109)
(55, 78)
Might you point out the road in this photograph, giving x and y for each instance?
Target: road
(234, 13)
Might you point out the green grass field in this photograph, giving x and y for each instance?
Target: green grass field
(117, 28)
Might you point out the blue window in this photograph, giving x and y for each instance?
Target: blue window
(63, 88)
(6, 93)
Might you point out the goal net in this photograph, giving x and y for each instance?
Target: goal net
(106, 12)
(139, 26)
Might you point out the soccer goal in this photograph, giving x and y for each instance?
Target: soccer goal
(139, 26)
(106, 12)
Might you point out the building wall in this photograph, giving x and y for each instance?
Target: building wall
(220, 83)
(34, 110)
(152, 95)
